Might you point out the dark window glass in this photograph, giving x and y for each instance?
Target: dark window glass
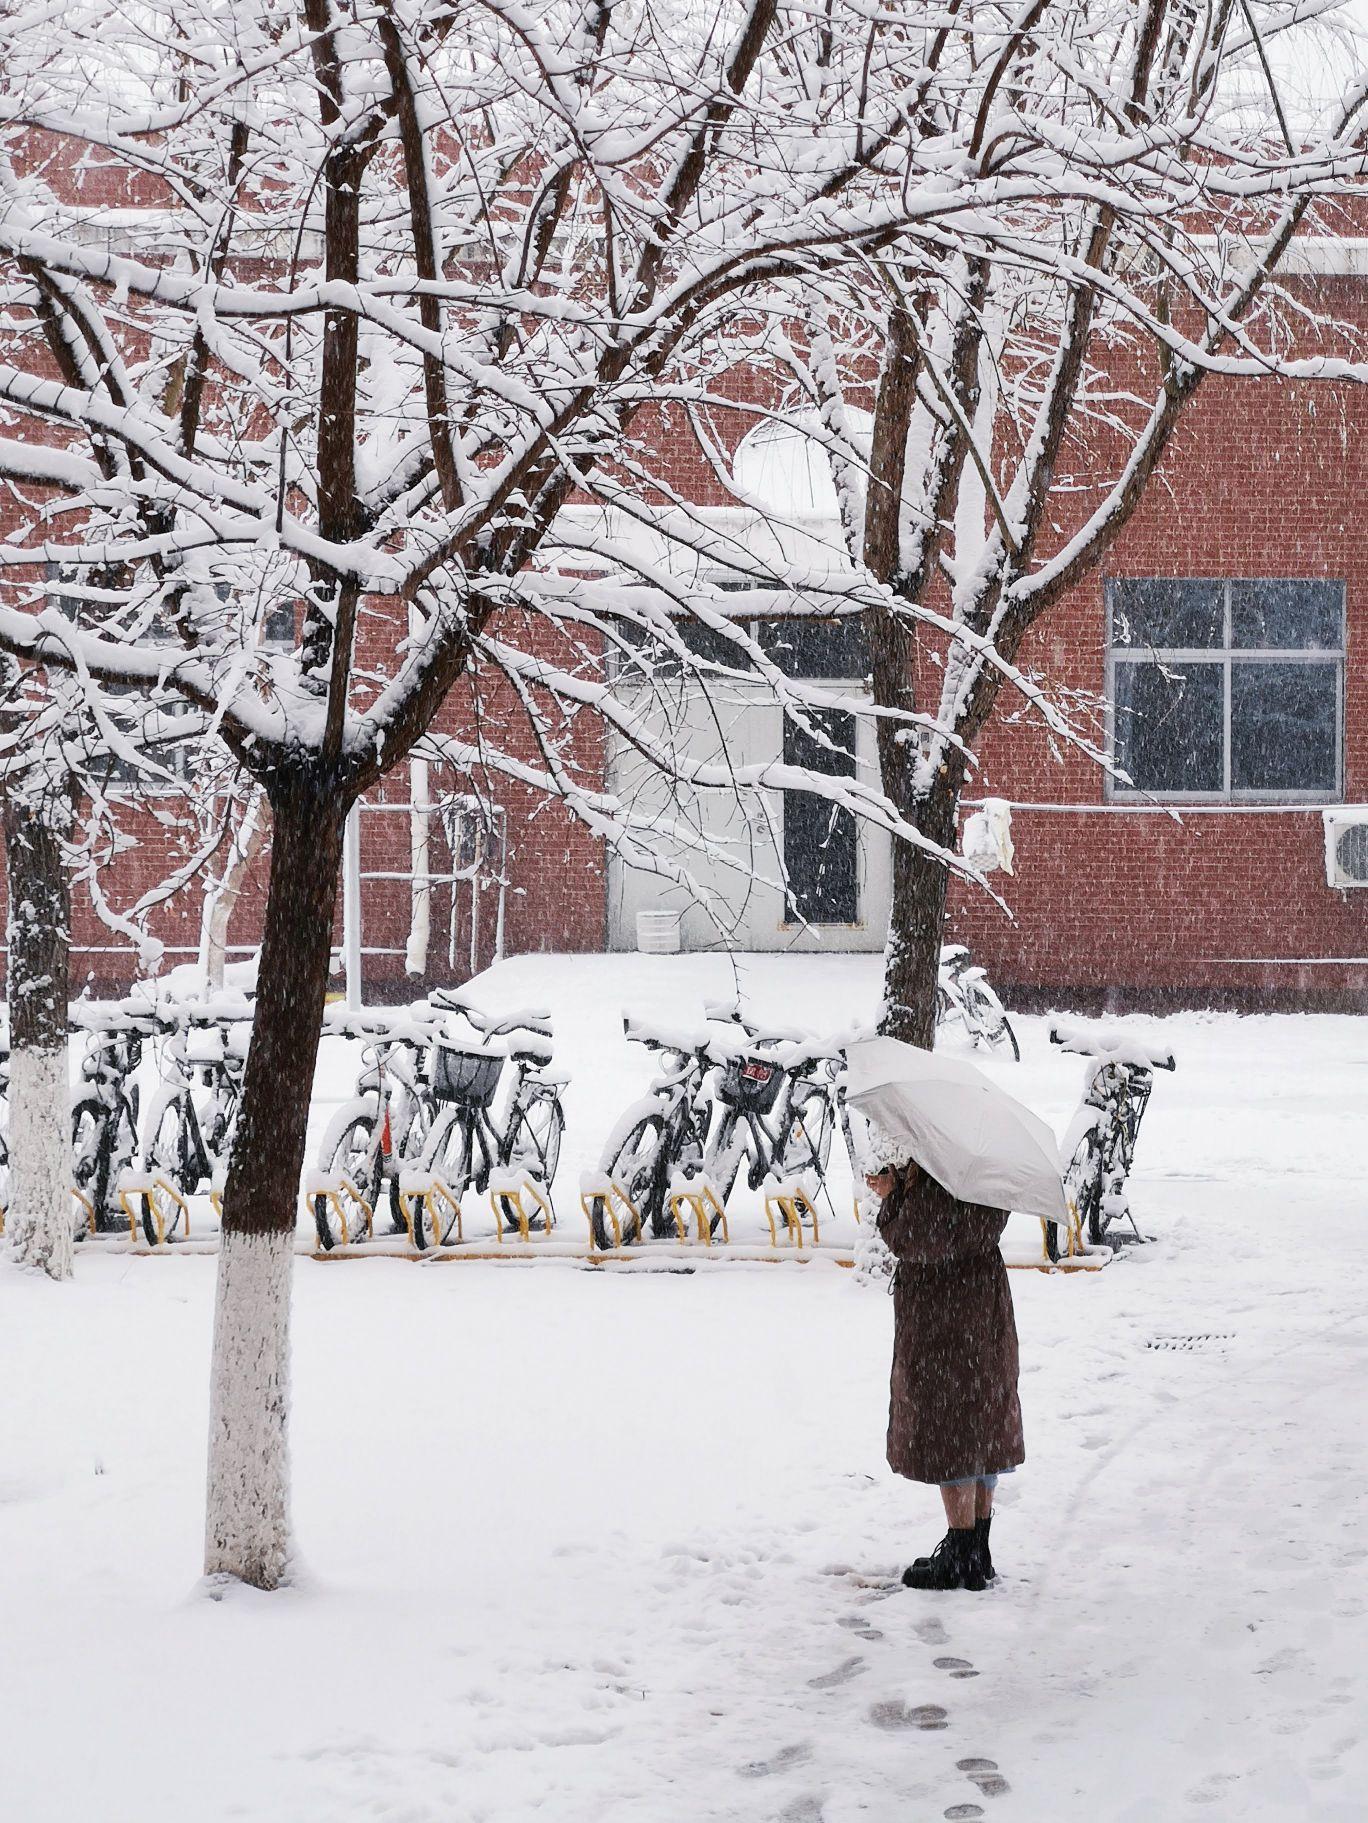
(278, 627)
(108, 769)
(715, 648)
(702, 641)
(820, 839)
(1170, 732)
(1168, 615)
(816, 648)
(1283, 727)
(1296, 616)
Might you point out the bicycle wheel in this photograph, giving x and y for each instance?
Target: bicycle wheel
(1082, 1181)
(1095, 1212)
(352, 1154)
(168, 1155)
(409, 1145)
(89, 1166)
(638, 1167)
(446, 1156)
(806, 1143)
(725, 1155)
(986, 1018)
(535, 1144)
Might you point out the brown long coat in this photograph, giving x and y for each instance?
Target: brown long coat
(953, 1406)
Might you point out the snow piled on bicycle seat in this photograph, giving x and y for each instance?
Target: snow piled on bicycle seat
(610, 1548)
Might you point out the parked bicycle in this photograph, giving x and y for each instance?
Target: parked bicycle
(1100, 1142)
(477, 1134)
(104, 1120)
(963, 993)
(779, 1102)
(385, 1126)
(191, 1122)
(770, 1104)
(660, 1137)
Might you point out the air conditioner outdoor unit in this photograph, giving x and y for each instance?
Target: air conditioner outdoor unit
(1346, 846)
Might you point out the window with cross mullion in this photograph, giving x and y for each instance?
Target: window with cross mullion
(1227, 690)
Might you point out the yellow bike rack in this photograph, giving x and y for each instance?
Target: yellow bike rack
(614, 1198)
(85, 1203)
(1075, 1236)
(792, 1203)
(506, 1202)
(700, 1202)
(159, 1191)
(81, 1198)
(427, 1190)
(337, 1193)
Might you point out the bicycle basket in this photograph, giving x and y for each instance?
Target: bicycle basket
(751, 1083)
(466, 1076)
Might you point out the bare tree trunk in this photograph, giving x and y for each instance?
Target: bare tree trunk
(247, 1523)
(916, 912)
(38, 1221)
(916, 921)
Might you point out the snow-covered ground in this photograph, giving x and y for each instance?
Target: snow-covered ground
(586, 1546)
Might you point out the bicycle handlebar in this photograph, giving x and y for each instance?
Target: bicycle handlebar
(667, 1038)
(1110, 1047)
(379, 1028)
(527, 1019)
(728, 1012)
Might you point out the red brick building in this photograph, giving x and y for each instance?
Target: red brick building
(1243, 712)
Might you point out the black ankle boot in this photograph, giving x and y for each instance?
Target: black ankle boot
(981, 1530)
(985, 1556)
(954, 1564)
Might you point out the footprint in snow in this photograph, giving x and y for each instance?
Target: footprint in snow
(984, 1774)
(856, 1623)
(957, 1667)
(1212, 1789)
(895, 1714)
(782, 1761)
(802, 1810)
(831, 1680)
(931, 1632)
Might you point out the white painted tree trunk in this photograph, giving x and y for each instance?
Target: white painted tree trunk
(37, 820)
(38, 1221)
(247, 1527)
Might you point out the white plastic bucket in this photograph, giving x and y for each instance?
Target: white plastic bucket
(657, 933)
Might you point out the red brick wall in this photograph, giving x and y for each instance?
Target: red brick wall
(1265, 480)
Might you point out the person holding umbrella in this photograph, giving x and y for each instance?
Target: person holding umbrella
(955, 1153)
(954, 1417)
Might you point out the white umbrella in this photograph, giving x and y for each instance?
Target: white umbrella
(973, 1137)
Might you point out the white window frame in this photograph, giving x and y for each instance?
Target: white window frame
(1225, 656)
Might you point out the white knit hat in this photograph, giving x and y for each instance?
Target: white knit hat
(880, 1149)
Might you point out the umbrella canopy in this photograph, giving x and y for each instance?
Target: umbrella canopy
(973, 1137)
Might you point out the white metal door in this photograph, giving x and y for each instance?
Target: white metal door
(731, 847)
